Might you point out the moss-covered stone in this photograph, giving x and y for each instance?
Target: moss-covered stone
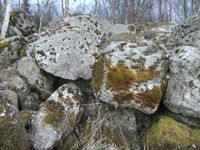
(120, 77)
(4, 44)
(12, 134)
(149, 98)
(55, 113)
(167, 133)
(98, 73)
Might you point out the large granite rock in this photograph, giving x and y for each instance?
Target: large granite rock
(9, 49)
(36, 78)
(12, 131)
(131, 75)
(183, 91)
(56, 117)
(11, 80)
(69, 51)
(188, 32)
(167, 133)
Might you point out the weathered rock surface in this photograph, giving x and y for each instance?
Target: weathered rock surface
(188, 33)
(9, 49)
(56, 117)
(11, 80)
(35, 77)
(21, 24)
(183, 91)
(167, 133)
(12, 131)
(131, 75)
(69, 52)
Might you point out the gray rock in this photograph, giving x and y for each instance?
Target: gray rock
(188, 33)
(11, 80)
(69, 52)
(183, 91)
(9, 49)
(12, 131)
(21, 24)
(56, 117)
(35, 77)
(130, 75)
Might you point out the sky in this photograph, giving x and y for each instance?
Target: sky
(73, 3)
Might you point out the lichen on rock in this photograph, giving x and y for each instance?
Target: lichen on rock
(56, 117)
(130, 76)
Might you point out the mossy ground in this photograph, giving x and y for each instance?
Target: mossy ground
(168, 133)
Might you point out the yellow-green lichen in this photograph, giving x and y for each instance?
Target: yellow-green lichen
(169, 133)
(120, 77)
(4, 44)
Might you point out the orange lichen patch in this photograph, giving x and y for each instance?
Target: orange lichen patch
(98, 74)
(149, 98)
(122, 97)
(120, 77)
(55, 113)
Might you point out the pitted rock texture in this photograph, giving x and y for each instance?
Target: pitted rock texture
(21, 24)
(56, 117)
(188, 32)
(9, 49)
(70, 51)
(129, 75)
(183, 91)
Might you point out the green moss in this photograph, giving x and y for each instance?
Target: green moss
(55, 113)
(98, 73)
(167, 132)
(120, 77)
(4, 44)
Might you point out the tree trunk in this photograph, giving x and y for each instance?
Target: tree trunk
(185, 8)
(160, 10)
(6, 19)
(66, 6)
